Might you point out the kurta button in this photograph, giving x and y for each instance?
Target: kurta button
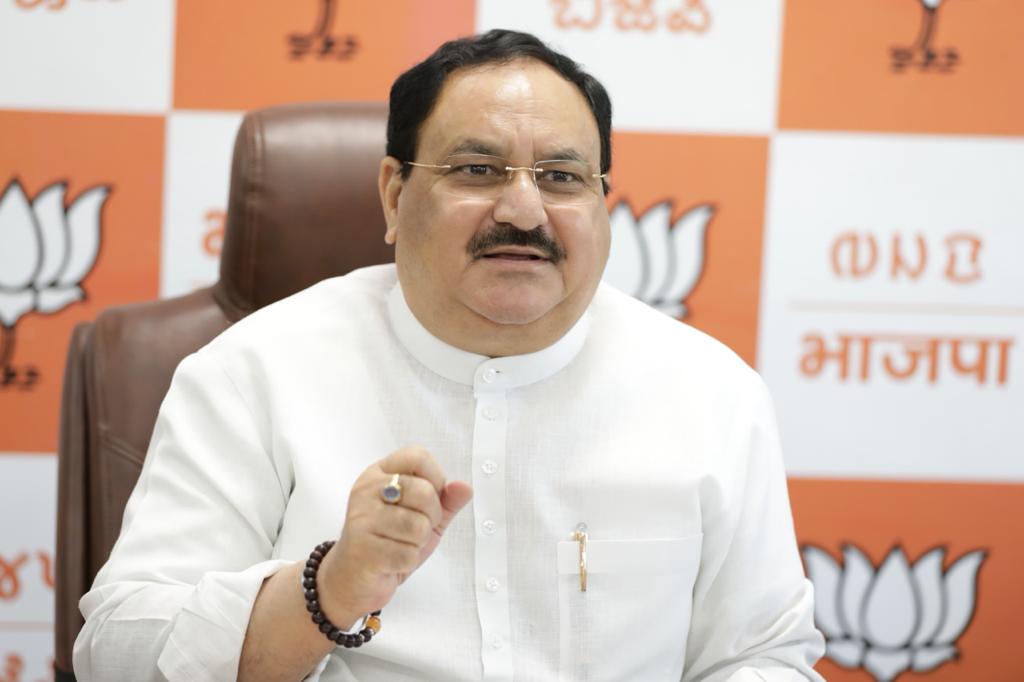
(490, 467)
(490, 413)
(496, 642)
(490, 374)
(493, 584)
(489, 527)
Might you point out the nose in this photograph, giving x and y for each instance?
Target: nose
(519, 203)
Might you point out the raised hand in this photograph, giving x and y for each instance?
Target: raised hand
(382, 543)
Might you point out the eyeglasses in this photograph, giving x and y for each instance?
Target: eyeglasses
(481, 176)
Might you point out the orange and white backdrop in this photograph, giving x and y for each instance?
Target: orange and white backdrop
(831, 188)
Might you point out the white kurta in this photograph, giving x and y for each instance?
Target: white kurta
(652, 434)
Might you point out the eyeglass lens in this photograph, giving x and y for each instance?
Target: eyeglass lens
(482, 176)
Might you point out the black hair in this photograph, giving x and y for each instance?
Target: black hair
(415, 92)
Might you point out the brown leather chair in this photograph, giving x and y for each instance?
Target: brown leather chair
(303, 206)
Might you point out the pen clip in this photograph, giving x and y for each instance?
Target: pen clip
(580, 536)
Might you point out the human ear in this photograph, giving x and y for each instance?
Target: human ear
(389, 184)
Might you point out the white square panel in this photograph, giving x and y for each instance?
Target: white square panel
(87, 56)
(669, 65)
(899, 256)
(28, 505)
(197, 177)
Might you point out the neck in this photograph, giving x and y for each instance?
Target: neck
(474, 333)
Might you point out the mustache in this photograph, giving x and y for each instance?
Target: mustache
(504, 234)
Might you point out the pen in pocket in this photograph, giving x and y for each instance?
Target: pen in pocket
(580, 536)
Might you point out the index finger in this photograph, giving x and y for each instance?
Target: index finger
(417, 461)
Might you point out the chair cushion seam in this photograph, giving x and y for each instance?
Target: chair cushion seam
(119, 446)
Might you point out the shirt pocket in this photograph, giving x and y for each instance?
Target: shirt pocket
(633, 620)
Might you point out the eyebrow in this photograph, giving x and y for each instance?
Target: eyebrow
(475, 146)
(565, 154)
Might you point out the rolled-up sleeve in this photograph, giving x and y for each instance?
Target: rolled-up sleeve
(174, 599)
(752, 606)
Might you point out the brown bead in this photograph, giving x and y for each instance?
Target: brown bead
(325, 626)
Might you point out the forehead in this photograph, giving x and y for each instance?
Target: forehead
(519, 108)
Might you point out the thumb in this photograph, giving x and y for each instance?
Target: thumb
(454, 497)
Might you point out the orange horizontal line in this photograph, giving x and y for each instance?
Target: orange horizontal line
(993, 310)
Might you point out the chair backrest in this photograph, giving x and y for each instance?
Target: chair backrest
(303, 206)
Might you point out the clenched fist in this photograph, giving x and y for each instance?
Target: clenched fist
(381, 543)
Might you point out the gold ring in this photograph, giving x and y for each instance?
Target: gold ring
(392, 492)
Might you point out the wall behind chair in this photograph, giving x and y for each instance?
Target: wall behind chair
(832, 189)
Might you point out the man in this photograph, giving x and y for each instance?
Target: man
(578, 487)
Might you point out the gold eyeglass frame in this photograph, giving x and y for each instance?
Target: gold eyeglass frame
(509, 170)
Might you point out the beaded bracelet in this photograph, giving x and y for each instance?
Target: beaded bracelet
(371, 623)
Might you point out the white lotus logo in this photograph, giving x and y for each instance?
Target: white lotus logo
(654, 261)
(899, 617)
(45, 252)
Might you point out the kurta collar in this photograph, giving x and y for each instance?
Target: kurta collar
(480, 371)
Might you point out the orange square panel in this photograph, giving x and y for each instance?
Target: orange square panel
(687, 214)
(914, 580)
(80, 199)
(923, 66)
(241, 55)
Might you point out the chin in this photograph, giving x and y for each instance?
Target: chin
(514, 312)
